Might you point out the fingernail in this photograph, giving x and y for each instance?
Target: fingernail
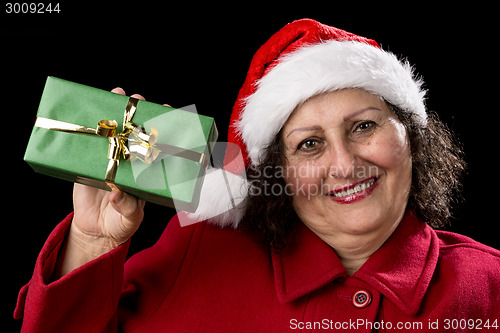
(119, 197)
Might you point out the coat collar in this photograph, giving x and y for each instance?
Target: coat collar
(401, 269)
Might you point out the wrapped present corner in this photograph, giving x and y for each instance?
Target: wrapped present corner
(98, 138)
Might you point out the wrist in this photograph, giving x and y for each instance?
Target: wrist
(89, 245)
(78, 249)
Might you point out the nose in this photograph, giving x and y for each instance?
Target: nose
(342, 159)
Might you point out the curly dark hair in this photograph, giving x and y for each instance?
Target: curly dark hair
(437, 167)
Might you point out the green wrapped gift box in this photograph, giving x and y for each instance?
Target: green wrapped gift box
(98, 138)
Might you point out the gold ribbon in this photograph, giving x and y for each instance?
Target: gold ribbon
(141, 144)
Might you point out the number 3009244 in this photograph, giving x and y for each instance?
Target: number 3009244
(31, 8)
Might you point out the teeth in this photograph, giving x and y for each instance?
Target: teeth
(356, 189)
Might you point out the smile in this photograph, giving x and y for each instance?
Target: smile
(354, 192)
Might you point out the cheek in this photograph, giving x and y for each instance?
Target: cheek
(391, 151)
(305, 178)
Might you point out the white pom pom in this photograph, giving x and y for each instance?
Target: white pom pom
(222, 199)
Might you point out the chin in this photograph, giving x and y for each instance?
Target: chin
(357, 219)
(370, 213)
(358, 225)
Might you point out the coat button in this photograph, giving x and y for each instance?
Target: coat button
(361, 299)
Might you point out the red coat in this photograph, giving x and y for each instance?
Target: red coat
(201, 278)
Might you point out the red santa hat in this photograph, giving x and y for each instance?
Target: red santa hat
(303, 59)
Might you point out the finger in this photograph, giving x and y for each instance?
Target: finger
(118, 91)
(128, 206)
(138, 97)
(168, 105)
(84, 193)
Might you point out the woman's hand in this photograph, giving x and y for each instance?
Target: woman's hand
(105, 219)
(102, 221)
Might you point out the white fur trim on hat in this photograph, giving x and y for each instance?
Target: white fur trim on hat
(222, 199)
(319, 68)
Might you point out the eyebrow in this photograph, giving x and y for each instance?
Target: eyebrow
(303, 129)
(319, 128)
(354, 114)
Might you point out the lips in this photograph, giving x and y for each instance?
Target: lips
(354, 192)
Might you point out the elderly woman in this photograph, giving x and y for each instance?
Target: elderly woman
(332, 228)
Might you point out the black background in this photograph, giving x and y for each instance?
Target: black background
(192, 53)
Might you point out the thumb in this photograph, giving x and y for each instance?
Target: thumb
(131, 208)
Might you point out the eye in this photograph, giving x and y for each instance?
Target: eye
(308, 144)
(364, 126)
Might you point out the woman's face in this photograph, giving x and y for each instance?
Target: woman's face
(348, 164)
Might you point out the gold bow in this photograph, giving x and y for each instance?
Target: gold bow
(141, 144)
